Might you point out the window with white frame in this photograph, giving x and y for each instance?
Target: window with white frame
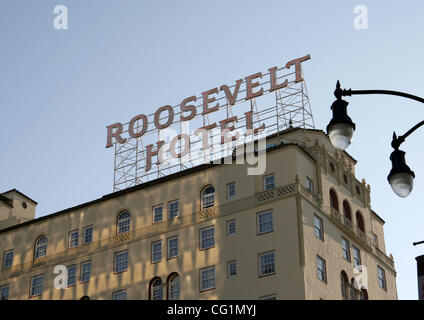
(207, 278)
(174, 287)
(120, 295)
(157, 289)
(121, 261)
(36, 285)
(4, 292)
(356, 257)
(73, 239)
(173, 247)
(318, 227)
(345, 249)
(266, 263)
(231, 190)
(264, 222)
(88, 235)
(231, 268)
(8, 259)
(208, 197)
(157, 213)
(124, 222)
(207, 238)
(321, 269)
(231, 227)
(156, 251)
(173, 209)
(269, 182)
(381, 278)
(40, 247)
(72, 275)
(85, 271)
(310, 185)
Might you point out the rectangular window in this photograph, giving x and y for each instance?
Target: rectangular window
(231, 268)
(266, 263)
(356, 257)
(157, 213)
(321, 269)
(231, 190)
(264, 222)
(85, 271)
(345, 249)
(4, 292)
(8, 259)
(381, 278)
(310, 185)
(156, 251)
(318, 227)
(173, 209)
(88, 234)
(36, 286)
(121, 261)
(207, 278)
(231, 227)
(72, 275)
(120, 295)
(269, 182)
(73, 239)
(375, 240)
(207, 238)
(173, 247)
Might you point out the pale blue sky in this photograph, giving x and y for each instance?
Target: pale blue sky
(59, 89)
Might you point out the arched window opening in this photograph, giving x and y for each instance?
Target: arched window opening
(208, 197)
(333, 200)
(85, 298)
(352, 290)
(123, 225)
(360, 221)
(156, 289)
(346, 211)
(40, 249)
(173, 286)
(363, 294)
(344, 281)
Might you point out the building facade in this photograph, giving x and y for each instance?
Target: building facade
(302, 230)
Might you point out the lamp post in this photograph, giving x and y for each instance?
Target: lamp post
(341, 128)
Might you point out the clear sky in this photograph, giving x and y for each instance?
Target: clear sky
(59, 89)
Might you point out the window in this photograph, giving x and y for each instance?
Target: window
(207, 238)
(269, 182)
(88, 235)
(334, 203)
(174, 287)
(157, 213)
(332, 168)
(40, 247)
(173, 209)
(231, 190)
(356, 257)
(360, 222)
(73, 239)
(318, 227)
(266, 264)
(207, 278)
(8, 259)
(156, 289)
(231, 227)
(36, 288)
(375, 240)
(4, 292)
(381, 278)
(156, 251)
(208, 197)
(310, 185)
(173, 247)
(344, 282)
(352, 290)
(358, 191)
(264, 222)
(269, 297)
(345, 249)
(321, 269)
(72, 275)
(120, 295)
(85, 271)
(124, 222)
(231, 268)
(346, 211)
(345, 179)
(121, 261)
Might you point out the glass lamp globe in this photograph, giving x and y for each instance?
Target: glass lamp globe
(402, 183)
(341, 135)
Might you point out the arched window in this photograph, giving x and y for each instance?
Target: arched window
(208, 197)
(352, 290)
(123, 224)
(344, 282)
(85, 298)
(346, 211)
(156, 289)
(360, 221)
(173, 286)
(333, 200)
(40, 248)
(363, 294)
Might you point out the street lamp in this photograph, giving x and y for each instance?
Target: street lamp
(340, 131)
